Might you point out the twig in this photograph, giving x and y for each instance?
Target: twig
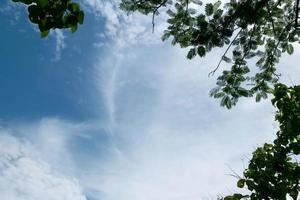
(297, 13)
(213, 72)
(272, 21)
(155, 11)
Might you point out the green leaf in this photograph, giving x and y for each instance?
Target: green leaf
(80, 17)
(290, 49)
(198, 2)
(250, 185)
(219, 95)
(44, 33)
(243, 92)
(34, 10)
(71, 20)
(241, 183)
(165, 36)
(73, 28)
(74, 7)
(192, 53)
(226, 102)
(258, 97)
(42, 3)
(226, 59)
(209, 9)
(201, 51)
(216, 6)
(170, 13)
(260, 53)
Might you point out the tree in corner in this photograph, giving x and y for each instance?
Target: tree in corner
(52, 14)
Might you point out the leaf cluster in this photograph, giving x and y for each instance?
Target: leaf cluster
(274, 172)
(52, 14)
(254, 32)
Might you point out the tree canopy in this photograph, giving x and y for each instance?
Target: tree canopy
(274, 171)
(52, 14)
(260, 29)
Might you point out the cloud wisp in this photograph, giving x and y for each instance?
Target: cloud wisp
(60, 44)
(24, 176)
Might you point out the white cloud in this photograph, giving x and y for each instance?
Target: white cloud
(288, 68)
(123, 28)
(59, 43)
(24, 176)
(12, 11)
(171, 140)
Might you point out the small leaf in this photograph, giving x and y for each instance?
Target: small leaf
(260, 53)
(241, 183)
(290, 49)
(216, 6)
(34, 10)
(42, 3)
(258, 97)
(209, 9)
(192, 53)
(44, 33)
(243, 92)
(219, 95)
(170, 13)
(198, 2)
(73, 28)
(165, 36)
(226, 102)
(80, 17)
(226, 59)
(201, 51)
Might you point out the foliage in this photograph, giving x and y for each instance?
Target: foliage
(52, 14)
(273, 171)
(260, 29)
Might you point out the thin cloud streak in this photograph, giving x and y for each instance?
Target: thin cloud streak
(60, 44)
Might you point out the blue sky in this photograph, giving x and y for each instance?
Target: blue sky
(112, 113)
(49, 80)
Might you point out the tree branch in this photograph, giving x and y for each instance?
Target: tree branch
(213, 72)
(297, 13)
(155, 11)
(272, 21)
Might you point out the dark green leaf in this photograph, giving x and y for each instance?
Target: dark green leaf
(44, 33)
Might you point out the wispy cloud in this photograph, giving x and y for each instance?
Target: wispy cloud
(24, 176)
(59, 43)
(12, 10)
(124, 29)
(171, 140)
